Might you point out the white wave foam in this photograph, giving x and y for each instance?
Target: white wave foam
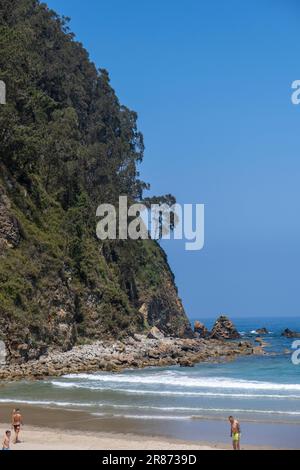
(152, 408)
(209, 410)
(170, 393)
(145, 417)
(183, 381)
(67, 384)
(47, 403)
(206, 411)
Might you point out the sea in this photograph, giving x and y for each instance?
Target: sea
(263, 392)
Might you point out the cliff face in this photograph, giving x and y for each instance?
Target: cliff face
(67, 145)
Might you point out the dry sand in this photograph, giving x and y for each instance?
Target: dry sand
(34, 438)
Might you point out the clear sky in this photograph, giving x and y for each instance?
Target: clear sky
(211, 82)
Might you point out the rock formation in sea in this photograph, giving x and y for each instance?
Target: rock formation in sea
(224, 329)
(290, 334)
(262, 331)
(200, 330)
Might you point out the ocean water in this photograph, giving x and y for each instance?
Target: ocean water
(256, 389)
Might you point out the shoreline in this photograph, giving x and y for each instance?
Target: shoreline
(78, 430)
(64, 429)
(55, 439)
(136, 352)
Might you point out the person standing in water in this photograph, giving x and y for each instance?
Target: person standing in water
(17, 422)
(235, 433)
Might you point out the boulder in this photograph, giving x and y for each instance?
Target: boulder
(261, 342)
(290, 334)
(186, 363)
(200, 330)
(262, 331)
(224, 329)
(155, 333)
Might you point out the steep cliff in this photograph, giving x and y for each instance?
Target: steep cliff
(68, 145)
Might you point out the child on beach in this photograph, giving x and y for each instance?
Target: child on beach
(6, 441)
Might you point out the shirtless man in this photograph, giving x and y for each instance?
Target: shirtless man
(16, 424)
(6, 441)
(235, 432)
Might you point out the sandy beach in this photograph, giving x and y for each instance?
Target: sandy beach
(55, 429)
(34, 438)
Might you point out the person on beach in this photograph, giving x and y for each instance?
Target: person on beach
(17, 422)
(235, 433)
(6, 441)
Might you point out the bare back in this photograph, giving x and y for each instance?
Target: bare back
(17, 419)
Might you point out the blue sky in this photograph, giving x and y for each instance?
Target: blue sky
(211, 82)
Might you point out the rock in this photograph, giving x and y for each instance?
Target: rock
(290, 334)
(258, 351)
(200, 330)
(186, 363)
(262, 331)
(144, 312)
(261, 342)
(140, 338)
(3, 353)
(224, 329)
(155, 333)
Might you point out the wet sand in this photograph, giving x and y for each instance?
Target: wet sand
(52, 429)
(62, 429)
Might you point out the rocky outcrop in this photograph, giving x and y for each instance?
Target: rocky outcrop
(3, 353)
(154, 333)
(290, 334)
(137, 352)
(164, 307)
(200, 330)
(224, 329)
(262, 331)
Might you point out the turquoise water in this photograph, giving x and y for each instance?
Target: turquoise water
(255, 389)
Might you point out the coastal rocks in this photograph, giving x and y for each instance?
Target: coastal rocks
(200, 330)
(258, 351)
(154, 333)
(144, 312)
(166, 312)
(261, 342)
(134, 352)
(3, 353)
(224, 329)
(287, 333)
(262, 331)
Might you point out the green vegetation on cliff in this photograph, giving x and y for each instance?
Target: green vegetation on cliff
(66, 146)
